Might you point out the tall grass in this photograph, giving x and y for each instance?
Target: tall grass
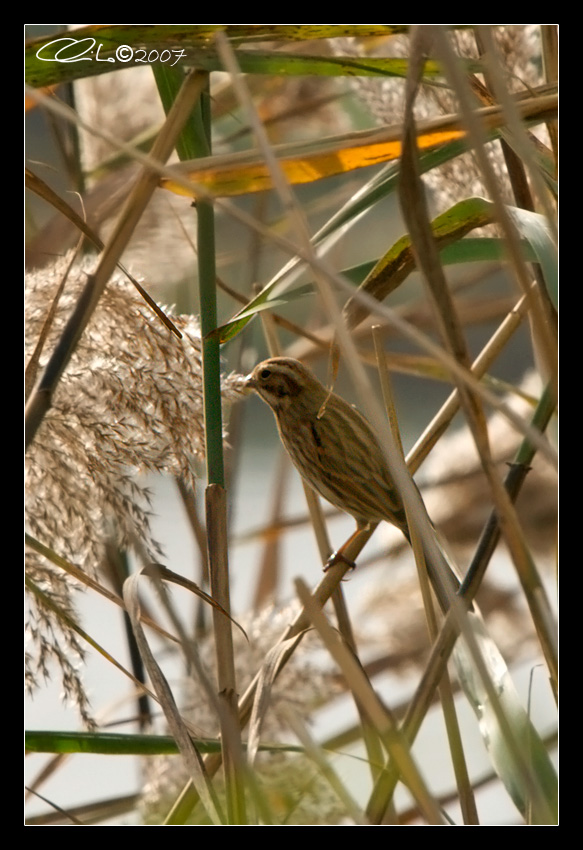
(380, 202)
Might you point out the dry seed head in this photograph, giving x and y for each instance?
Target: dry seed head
(128, 403)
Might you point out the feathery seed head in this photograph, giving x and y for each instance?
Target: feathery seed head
(129, 403)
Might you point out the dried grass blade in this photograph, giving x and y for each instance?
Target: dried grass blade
(274, 661)
(180, 733)
(174, 578)
(378, 714)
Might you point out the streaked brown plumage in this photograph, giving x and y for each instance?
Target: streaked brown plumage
(336, 453)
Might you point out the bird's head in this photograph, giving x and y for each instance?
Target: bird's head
(281, 381)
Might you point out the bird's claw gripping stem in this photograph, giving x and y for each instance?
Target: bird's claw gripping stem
(338, 558)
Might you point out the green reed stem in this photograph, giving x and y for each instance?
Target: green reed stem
(195, 142)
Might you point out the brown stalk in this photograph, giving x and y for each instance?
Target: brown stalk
(378, 714)
(466, 795)
(417, 219)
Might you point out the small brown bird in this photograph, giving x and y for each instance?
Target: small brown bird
(336, 453)
(333, 447)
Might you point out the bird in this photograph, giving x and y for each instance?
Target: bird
(335, 450)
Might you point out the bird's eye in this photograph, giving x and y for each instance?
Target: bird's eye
(265, 373)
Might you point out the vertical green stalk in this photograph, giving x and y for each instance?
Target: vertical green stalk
(196, 142)
(210, 344)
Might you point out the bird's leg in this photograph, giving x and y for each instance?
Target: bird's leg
(352, 547)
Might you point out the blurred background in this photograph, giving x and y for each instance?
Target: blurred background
(271, 540)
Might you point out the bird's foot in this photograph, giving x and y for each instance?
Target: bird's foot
(338, 558)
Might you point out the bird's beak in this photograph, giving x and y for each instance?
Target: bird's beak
(250, 382)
